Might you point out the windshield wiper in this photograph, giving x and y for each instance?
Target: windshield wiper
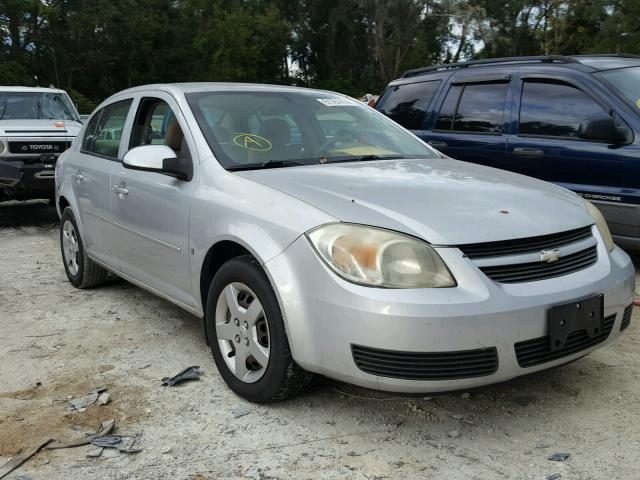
(267, 164)
(366, 158)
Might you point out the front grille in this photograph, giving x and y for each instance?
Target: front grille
(531, 272)
(38, 147)
(524, 245)
(626, 317)
(538, 350)
(426, 366)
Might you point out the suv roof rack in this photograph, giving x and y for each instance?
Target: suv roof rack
(491, 61)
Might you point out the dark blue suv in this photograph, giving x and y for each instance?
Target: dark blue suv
(574, 121)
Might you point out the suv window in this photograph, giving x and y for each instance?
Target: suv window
(104, 131)
(156, 124)
(554, 109)
(407, 104)
(478, 108)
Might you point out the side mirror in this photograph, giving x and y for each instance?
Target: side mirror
(604, 128)
(156, 158)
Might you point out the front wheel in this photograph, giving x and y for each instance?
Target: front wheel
(82, 272)
(247, 335)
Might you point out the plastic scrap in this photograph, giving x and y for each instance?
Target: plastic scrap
(554, 476)
(122, 443)
(81, 404)
(105, 429)
(253, 473)
(190, 373)
(240, 412)
(559, 456)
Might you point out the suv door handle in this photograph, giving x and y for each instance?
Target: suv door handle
(436, 144)
(120, 190)
(77, 177)
(528, 152)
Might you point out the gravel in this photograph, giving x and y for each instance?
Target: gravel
(123, 339)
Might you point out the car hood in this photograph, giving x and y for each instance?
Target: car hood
(39, 127)
(443, 201)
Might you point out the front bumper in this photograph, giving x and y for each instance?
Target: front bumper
(326, 316)
(24, 178)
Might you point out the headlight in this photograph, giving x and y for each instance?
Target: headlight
(2, 147)
(381, 258)
(601, 223)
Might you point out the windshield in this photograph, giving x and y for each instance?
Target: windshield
(627, 82)
(264, 129)
(35, 106)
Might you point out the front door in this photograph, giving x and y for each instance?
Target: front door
(548, 146)
(91, 175)
(152, 210)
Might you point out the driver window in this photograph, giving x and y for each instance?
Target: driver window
(156, 124)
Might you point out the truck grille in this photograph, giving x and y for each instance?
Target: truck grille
(626, 317)
(531, 272)
(524, 245)
(538, 350)
(426, 366)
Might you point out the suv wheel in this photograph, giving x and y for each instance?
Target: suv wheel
(247, 335)
(81, 270)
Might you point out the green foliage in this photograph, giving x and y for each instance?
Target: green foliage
(82, 103)
(93, 48)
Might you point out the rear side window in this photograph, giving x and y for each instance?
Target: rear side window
(476, 107)
(554, 109)
(104, 131)
(407, 104)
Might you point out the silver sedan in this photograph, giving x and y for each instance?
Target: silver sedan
(311, 234)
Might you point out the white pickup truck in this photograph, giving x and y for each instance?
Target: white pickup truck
(36, 126)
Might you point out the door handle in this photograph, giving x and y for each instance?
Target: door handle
(120, 190)
(436, 144)
(77, 177)
(528, 152)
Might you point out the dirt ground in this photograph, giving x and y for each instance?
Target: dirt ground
(58, 342)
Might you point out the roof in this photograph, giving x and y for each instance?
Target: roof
(590, 62)
(30, 89)
(217, 86)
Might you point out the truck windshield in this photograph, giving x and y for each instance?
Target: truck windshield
(35, 106)
(262, 129)
(627, 82)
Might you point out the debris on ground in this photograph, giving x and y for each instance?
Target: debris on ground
(554, 476)
(559, 456)
(105, 429)
(104, 398)
(253, 473)
(240, 412)
(122, 443)
(454, 434)
(81, 404)
(18, 460)
(190, 373)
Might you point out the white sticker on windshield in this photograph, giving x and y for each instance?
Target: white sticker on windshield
(337, 102)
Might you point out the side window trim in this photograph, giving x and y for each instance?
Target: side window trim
(553, 79)
(125, 133)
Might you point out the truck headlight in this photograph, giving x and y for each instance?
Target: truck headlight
(601, 223)
(381, 258)
(3, 147)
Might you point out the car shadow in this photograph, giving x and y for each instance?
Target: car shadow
(32, 213)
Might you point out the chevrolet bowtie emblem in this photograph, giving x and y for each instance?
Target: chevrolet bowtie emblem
(549, 256)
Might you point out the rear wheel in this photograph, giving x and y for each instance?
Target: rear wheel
(247, 335)
(82, 272)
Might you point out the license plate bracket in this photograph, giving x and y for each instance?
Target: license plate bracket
(563, 320)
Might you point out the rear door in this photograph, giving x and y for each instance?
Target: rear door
(153, 214)
(91, 169)
(471, 123)
(547, 146)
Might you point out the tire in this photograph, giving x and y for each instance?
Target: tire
(242, 278)
(82, 272)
